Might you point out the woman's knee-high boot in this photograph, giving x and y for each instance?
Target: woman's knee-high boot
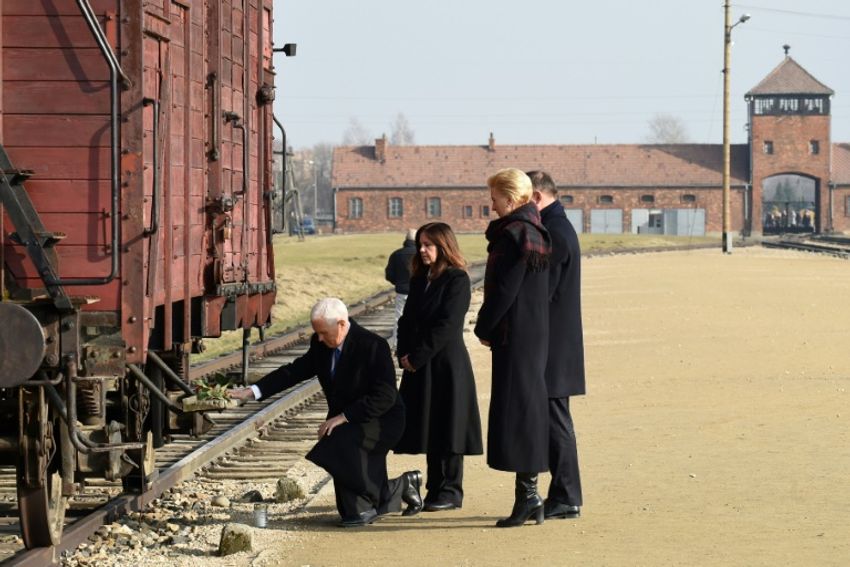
(527, 502)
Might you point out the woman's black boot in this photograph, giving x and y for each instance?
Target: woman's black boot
(527, 502)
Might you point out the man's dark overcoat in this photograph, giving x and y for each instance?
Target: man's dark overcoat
(439, 398)
(565, 367)
(514, 319)
(363, 387)
(397, 271)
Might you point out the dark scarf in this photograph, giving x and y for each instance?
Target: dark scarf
(523, 226)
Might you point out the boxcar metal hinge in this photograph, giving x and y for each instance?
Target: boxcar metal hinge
(30, 231)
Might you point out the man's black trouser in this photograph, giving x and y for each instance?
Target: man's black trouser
(563, 454)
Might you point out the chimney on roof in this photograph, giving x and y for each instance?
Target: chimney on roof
(787, 48)
(381, 149)
(491, 143)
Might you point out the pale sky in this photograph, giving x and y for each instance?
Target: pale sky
(543, 71)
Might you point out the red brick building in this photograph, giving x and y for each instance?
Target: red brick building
(790, 177)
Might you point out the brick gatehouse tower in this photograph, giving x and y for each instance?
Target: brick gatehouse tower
(790, 152)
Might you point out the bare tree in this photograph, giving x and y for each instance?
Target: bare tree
(356, 134)
(401, 133)
(667, 129)
(311, 174)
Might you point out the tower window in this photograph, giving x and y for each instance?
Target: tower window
(814, 147)
(767, 147)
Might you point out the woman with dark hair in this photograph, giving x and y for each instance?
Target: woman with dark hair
(514, 322)
(438, 386)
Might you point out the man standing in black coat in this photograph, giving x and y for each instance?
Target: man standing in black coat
(565, 362)
(397, 273)
(365, 414)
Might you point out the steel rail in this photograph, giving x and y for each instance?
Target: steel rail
(79, 531)
(837, 251)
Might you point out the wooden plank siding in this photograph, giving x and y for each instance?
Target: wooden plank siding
(55, 120)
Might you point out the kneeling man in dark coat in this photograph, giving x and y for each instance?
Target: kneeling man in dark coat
(365, 414)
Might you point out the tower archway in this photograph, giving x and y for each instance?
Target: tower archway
(790, 204)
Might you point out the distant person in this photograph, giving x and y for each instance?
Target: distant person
(565, 362)
(397, 273)
(365, 415)
(438, 386)
(514, 322)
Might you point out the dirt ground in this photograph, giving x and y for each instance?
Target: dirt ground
(714, 432)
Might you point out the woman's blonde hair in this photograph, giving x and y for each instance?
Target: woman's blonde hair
(512, 183)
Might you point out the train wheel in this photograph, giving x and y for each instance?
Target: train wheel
(41, 504)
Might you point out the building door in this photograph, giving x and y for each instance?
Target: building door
(789, 204)
(606, 221)
(576, 218)
(684, 222)
(647, 221)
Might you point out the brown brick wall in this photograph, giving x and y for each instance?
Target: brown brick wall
(841, 208)
(376, 217)
(376, 209)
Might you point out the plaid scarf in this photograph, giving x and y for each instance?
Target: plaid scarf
(524, 227)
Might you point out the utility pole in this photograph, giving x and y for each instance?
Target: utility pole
(727, 53)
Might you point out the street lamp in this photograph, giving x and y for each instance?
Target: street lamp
(727, 51)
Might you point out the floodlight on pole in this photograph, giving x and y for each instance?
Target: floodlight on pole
(727, 52)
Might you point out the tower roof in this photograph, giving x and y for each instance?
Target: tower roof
(790, 78)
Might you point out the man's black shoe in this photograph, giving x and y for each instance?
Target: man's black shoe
(410, 495)
(440, 505)
(559, 510)
(361, 519)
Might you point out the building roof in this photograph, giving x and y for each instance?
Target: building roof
(841, 164)
(790, 78)
(676, 165)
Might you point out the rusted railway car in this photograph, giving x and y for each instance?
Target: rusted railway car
(135, 220)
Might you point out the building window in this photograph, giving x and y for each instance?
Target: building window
(485, 211)
(567, 199)
(847, 206)
(647, 198)
(768, 147)
(433, 207)
(689, 198)
(814, 147)
(395, 208)
(355, 208)
(467, 211)
(606, 199)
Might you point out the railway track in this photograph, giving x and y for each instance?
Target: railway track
(262, 440)
(288, 418)
(832, 245)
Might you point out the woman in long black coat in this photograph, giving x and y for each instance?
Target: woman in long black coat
(514, 323)
(438, 386)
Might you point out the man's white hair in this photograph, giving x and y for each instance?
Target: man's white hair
(330, 310)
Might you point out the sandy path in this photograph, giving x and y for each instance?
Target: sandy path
(715, 431)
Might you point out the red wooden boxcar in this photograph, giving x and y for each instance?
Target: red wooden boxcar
(136, 220)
